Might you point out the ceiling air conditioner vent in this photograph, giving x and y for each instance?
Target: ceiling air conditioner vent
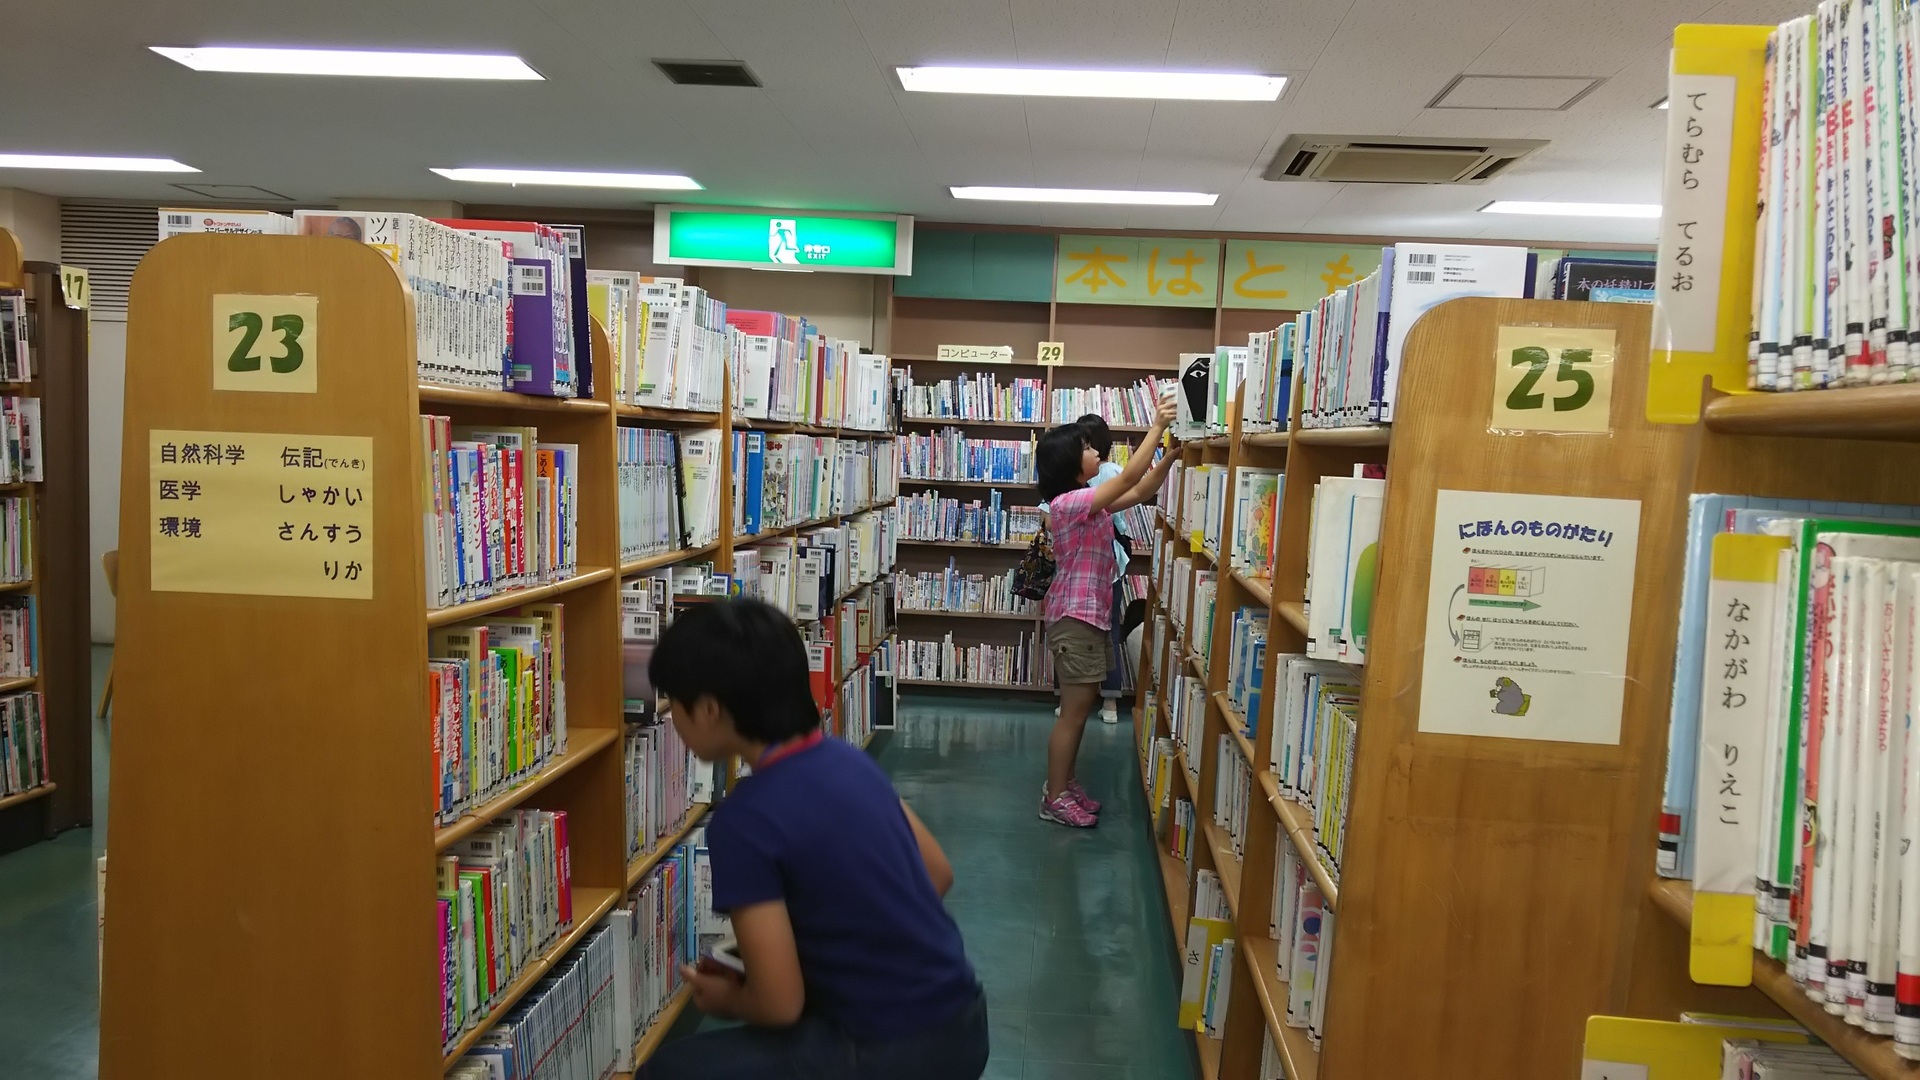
(1393, 159)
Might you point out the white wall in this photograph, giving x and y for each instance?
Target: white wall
(35, 219)
(106, 392)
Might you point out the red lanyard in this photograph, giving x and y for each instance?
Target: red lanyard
(788, 749)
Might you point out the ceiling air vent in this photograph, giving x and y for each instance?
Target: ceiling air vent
(1394, 159)
(707, 72)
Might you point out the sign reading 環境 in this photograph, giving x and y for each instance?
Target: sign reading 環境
(783, 239)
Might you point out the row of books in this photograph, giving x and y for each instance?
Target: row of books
(1604, 281)
(504, 895)
(16, 539)
(979, 396)
(1315, 725)
(1810, 651)
(783, 480)
(1207, 979)
(566, 1028)
(1187, 719)
(19, 636)
(649, 471)
(1302, 927)
(503, 509)
(1343, 565)
(949, 454)
(1232, 793)
(1205, 489)
(1120, 406)
(23, 459)
(23, 743)
(667, 341)
(497, 705)
(928, 515)
(952, 589)
(664, 781)
(1024, 663)
(1835, 284)
(1709, 516)
(16, 344)
(1246, 666)
(1180, 829)
(785, 368)
(867, 698)
(658, 926)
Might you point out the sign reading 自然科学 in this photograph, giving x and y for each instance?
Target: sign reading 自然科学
(783, 239)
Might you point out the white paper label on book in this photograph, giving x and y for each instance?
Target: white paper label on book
(1528, 611)
(1612, 1070)
(1693, 217)
(244, 512)
(1733, 712)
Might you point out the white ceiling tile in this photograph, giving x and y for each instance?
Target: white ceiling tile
(953, 32)
(1083, 33)
(1253, 35)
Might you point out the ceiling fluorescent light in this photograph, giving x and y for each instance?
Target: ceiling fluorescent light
(397, 65)
(1087, 195)
(1661, 104)
(1574, 209)
(98, 164)
(1061, 82)
(562, 178)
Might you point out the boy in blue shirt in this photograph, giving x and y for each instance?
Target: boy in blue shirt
(854, 968)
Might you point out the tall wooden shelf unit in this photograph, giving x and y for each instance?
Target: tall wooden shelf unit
(273, 819)
(1493, 890)
(61, 572)
(1106, 345)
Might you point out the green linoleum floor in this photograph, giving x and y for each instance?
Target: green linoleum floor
(1067, 928)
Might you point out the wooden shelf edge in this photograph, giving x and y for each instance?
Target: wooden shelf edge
(28, 795)
(667, 558)
(974, 421)
(22, 682)
(966, 544)
(638, 868)
(1298, 1058)
(1299, 827)
(1004, 616)
(1858, 412)
(668, 416)
(1224, 864)
(474, 609)
(584, 744)
(1871, 1054)
(656, 1032)
(1261, 588)
(590, 905)
(1266, 438)
(1209, 1050)
(18, 586)
(462, 397)
(924, 481)
(1236, 724)
(1294, 612)
(1027, 687)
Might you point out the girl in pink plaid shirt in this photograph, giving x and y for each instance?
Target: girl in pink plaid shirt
(1079, 605)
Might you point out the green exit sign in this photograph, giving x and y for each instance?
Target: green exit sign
(783, 239)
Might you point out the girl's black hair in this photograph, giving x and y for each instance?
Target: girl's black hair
(1056, 461)
(746, 655)
(1098, 435)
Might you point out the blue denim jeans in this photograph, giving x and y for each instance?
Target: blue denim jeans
(815, 1048)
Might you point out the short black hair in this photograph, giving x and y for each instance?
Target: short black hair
(1056, 461)
(745, 654)
(1099, 436)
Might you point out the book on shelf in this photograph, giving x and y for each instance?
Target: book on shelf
(501, 507)
(949, 454)
(1617, 281)
(540, 346)
(1203, 933)
(1025, 663)
(951, 590)
(25, 459)
(1696, 1044)
(1120, 406)
(23, 742)
(1314, 730)
(1196, 392)
(17, 360)
(180, 220)
(460, 285)
(927, 515)
(1187, 718)
(505, 895)
(655, 919)
(700, 484)
(659, 772)
(978, 396)
(1229, 370)
(16, 539)
(1232, 793)
(1256, 519)
(1246, 663)
(497, 703)
(646, 466)
(1343, 552)
(19, 636)
(1303, 943)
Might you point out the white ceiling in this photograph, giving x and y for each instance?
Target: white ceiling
(833, 129)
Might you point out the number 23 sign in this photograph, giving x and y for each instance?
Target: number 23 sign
(1553, 378)
(266, 344)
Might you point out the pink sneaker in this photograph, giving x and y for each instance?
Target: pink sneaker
(1066, 812)
(1079, 794)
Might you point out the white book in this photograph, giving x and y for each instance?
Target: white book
(1427, 275)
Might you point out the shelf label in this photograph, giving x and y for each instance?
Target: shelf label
(1693, 213)
(1053, 353)
(1528, 612)
(1552, 379)
(266, 344)
(976, 354)
(76, 287)
(257, 514)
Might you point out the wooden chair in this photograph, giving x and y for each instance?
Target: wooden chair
(110, 564)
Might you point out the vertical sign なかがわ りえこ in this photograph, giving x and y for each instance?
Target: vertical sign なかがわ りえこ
(1528, 612)
(244, 512)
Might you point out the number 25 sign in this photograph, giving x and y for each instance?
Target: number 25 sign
(266, 344)
(1553, 378)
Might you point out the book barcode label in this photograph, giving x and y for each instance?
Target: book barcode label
(529, 281)
(1420, 277)
(1423, 258)
(181, 220)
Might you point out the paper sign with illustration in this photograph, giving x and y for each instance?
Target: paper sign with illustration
(1528, 612)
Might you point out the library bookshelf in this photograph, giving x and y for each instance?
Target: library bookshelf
(60, 572)
(1472, 866)
(274, 819)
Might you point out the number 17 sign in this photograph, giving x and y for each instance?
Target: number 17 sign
(1553, 378)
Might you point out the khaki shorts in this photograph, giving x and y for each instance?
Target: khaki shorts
(1080, 652)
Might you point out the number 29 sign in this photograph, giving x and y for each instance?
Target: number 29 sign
(266, 344)
(1553, 378)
